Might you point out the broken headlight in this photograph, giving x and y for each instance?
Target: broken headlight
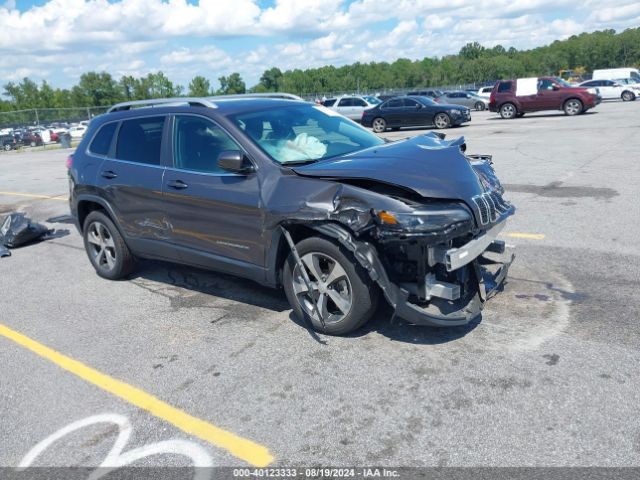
(427, 218)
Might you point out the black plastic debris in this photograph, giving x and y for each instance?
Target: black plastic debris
(17, 230)
(4, 251)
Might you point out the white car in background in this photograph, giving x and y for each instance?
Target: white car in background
(610, 89)
(77, 131)
(351, 106)
(485, 92)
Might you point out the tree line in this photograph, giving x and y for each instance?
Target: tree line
(473, 64)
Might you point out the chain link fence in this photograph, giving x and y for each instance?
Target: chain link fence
(46, 116)
(312, 96)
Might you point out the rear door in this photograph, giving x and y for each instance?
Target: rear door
(214, 214)
(344, 106)
(131, 176)
(393, 112)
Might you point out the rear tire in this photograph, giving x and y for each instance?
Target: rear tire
(508, 111)
(106, 248)
(628, 96)
(337, 276)
(442, 120)
(572, 107)
(479, 106)
(379, 125)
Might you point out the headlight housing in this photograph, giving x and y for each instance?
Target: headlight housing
(425, 219)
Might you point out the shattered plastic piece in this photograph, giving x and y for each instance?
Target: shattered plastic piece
(17, 230)
(4, 251)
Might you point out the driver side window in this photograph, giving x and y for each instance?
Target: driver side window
(545, 84)
(197, 142)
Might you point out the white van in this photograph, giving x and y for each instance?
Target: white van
(613, 73)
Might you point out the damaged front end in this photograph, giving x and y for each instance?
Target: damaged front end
(437, 259)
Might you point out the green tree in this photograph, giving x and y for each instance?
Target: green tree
(232, 84)
(199, 87)
(270, 79)
(98, 89)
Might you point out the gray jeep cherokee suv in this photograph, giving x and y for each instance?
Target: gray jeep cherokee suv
(291, 194)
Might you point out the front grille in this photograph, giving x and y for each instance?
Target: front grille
(490, 206)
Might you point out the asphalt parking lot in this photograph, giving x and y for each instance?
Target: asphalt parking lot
(547, 376)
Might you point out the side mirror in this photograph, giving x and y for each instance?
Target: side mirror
(555, 87)
(418, 106)
(234, 161)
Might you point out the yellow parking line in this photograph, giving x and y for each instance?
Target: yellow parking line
(531, 236)
(247, 450)
(34, 195)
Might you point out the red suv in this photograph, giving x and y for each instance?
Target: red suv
(513, 98)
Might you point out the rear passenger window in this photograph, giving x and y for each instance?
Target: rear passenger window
(139, 140)
(198, 142)
(346, 102)
(102, 141)
(396, 103)
(504, 87)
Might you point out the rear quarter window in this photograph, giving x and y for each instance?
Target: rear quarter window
(504, 86)
(102, 141)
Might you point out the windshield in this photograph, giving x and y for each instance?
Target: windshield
(427, 101)
(304, 133)
(372, 100)
(562, 82)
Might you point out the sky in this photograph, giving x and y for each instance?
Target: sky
(57, 40)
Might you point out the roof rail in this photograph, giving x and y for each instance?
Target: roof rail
(154, 102)
(278, 95)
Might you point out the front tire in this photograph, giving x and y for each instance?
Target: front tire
(628, 96)
(442, 120)
(106, 248)
(508, 111)
(340, 288)
(379, 125)
(572, 107)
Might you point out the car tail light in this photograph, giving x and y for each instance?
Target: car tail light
(69, 162)
(492, 98)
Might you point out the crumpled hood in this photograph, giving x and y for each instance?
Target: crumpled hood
(426, 164)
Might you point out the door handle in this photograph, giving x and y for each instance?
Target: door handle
(177, 184)
(108, 174)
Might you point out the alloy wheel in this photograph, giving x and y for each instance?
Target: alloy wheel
(508, 111)
(102, 247)
(441, 120)
(379, 125)
(330, 294)
(573, 107)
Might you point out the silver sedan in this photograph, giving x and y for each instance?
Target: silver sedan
(467, 99)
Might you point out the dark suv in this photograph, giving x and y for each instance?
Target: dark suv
(514, 98)
(8, 142)
(290, 194)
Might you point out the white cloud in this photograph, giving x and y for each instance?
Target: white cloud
(63, 38)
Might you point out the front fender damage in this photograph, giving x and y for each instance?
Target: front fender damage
(346, 214)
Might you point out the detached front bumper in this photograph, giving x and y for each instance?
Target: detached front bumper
(486, 260)
(488, 274)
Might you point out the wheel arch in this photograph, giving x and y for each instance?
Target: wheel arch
(573, 97)
(90, 203)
